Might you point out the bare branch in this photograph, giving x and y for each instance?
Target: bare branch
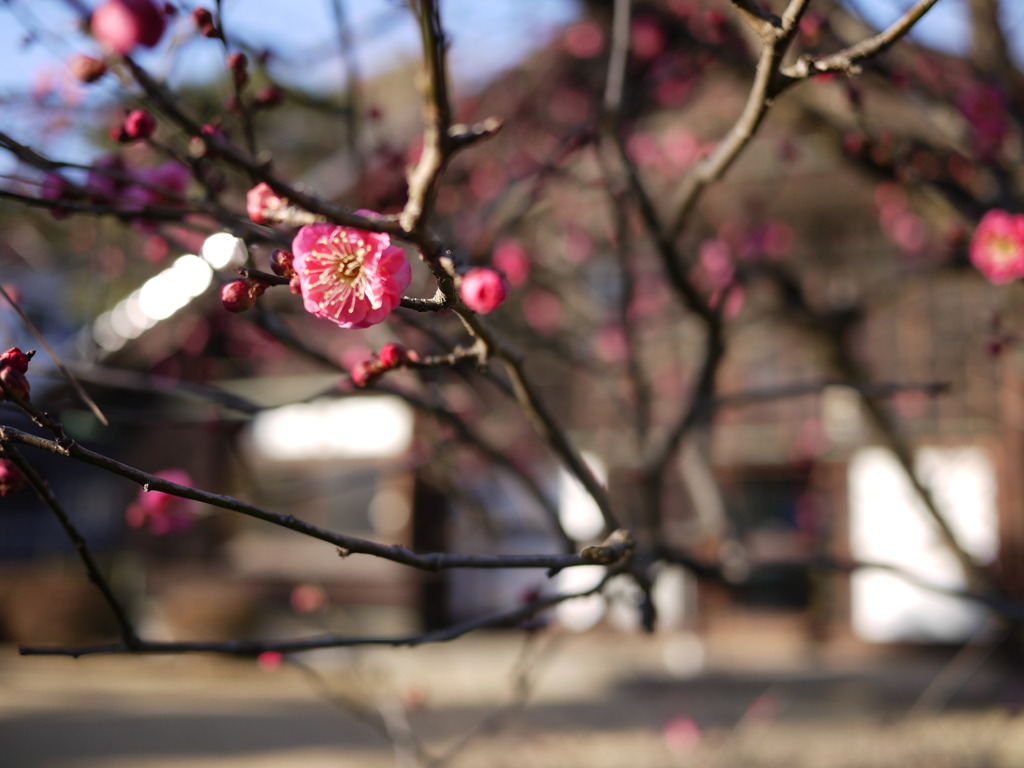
(347, 545)
(508, 618)
(128, 636)
(848, 60)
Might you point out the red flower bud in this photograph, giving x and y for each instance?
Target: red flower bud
(237, 296)
(86, 68)
(281, 263)
(238, 66)
(392, 355)
(15, 383)
(138, 124)
(11, 478)
(16, 359)
(204, 22)
(366, 372)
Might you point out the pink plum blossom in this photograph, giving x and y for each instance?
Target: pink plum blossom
(349, 276)
(120, 25)
(997, 248)
(162, 512)
(483, 289)
(511, 258)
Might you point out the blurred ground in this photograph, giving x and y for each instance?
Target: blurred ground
(761, 699)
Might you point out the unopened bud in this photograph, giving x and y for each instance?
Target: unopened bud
(238, 66)
(138, 124)
(366, 372)
(16, 359)
(237, 296)
(483, 289)
(86, 68)
(392, 355)
(281, 263)
(204, 22)
(15, 383)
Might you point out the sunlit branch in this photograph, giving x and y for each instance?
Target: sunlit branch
(847, 61)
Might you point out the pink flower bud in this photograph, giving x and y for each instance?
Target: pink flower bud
(392, 355)
(261, 200)
(237, 296)
(162, 512)
(86, 69)
(120, 25)
(138, 124)
(483, 290)
(238, 66)
(15, 383)
(16, 359)
(11, 478)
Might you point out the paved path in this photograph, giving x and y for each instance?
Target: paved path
(599, 700)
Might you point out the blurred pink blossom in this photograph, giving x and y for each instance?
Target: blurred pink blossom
(308, 598)
(261, 200)
(682, 734)
(997, 248)
(162, 512)
(120, 25)
(349, 276)
(717, 262)
(646, 39)
(511, 258)
(985, 109)
(584, 40)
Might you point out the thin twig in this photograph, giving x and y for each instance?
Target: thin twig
(70, 377)
(509, 618)
(128, 636)
(347, 545)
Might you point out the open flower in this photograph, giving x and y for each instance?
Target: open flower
(349, 276)
(997, 248)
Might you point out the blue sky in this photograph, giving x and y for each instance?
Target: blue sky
(486, 37)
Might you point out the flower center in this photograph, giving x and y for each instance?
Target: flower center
(1003, 250)
(343, 278)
